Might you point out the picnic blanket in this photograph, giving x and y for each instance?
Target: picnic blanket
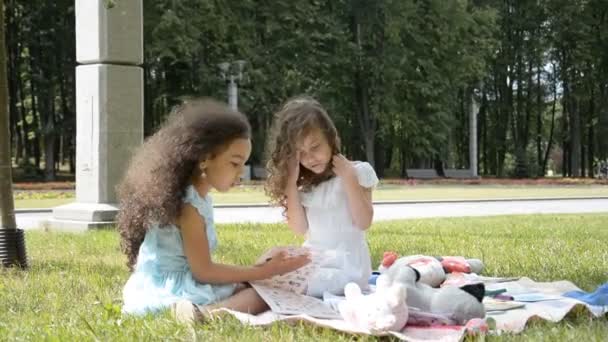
(543, 300)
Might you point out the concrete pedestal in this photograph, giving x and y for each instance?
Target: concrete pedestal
(109, 108)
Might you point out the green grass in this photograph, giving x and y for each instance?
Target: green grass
(73, 289)
(42, 199)
(424, 192)
(255, 193)
(42, 203)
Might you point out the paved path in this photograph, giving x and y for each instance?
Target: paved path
(408, 210)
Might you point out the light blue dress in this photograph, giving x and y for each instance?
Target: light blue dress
(162, 275)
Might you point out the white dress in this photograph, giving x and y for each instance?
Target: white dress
(332, 231)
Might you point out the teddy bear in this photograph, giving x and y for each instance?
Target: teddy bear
(381, 311)
(460, 304)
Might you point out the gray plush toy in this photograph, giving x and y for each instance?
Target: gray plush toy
(458, 303)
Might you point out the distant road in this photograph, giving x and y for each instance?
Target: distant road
(400, 210)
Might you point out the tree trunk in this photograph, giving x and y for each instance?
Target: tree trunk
(483, 134)
(591, 135)
(49, 139)
(504, 111)
(67, 129)
(565, 159)
(389, 148)
(7, 209)
(403, 163)
(13, 74)
(575, 129)
(575, 139)
(36, 115)
(520, 124)
(565, 141)
(148, 103)
(27, 148)
(367, 121)
(14, 135)
(539, 123)
(380, 156)
(603, 123)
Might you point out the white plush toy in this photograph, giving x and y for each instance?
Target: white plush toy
(430, 269)
(457, 303)
(381, 311)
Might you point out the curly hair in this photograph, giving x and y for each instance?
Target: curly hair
(297, 118)
(159, 172)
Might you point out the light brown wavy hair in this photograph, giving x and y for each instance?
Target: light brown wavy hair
(297, 118)
(161, 169)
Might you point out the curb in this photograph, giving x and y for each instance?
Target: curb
(381, 202)
(484, 200)
(33, 211)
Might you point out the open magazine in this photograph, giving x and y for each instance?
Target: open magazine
(286, 294)
(461, 279)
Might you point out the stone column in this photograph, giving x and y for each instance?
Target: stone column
(109, 108)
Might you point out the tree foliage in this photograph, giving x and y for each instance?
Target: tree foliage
(398, 77)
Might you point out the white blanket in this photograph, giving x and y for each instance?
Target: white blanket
(513, 321)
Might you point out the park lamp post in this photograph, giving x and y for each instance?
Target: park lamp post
(232, 73)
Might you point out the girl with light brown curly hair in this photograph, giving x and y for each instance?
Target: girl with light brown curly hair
(325, 196)
(166, 218)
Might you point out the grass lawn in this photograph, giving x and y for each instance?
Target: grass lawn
(42, 199)
(42, 203)
(255, 193)
(73, 289)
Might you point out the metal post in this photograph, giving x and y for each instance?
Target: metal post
(233, 94)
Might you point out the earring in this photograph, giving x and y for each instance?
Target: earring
(203, 173)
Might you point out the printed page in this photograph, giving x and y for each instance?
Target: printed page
(296, 281)
(288, 303)
(286, 294)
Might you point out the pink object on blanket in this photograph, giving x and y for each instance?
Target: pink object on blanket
(455, 264)
(477, 326)
(388, 259)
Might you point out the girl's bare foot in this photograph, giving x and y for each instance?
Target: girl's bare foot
(187, 312)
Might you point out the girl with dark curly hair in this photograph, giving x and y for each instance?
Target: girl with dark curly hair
(166, 218)
(325, 196)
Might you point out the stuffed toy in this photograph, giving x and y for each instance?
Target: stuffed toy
(432, 269)
(460, 304)
(381, 311)
(452, 264)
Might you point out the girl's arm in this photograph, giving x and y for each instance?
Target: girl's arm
(204, 270)
(296, 216)
(359, 198)
(360, 203)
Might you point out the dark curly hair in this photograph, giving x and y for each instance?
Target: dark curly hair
(297, 118)
(155, 182)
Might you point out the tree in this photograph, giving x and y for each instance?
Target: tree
(397, 77)
(12, 245)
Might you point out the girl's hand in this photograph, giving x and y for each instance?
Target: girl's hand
(281, 263)
(294, 169)
(343, 168)
(269, 254)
